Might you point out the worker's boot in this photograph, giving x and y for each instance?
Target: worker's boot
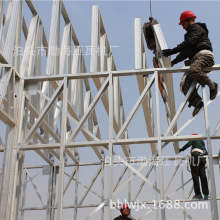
(197, 108)
(214, 92)
(197, 196)
(206, 197)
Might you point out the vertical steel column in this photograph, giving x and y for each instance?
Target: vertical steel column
(183, 192)
(7, 43)
(16, 199)
(211, 175)
(8, 173)
(18, 168)
(23, 195)
(2, 2)
(10, 165)
(110, 182)
(95, 39)
(76, 192)
(117, 101)
(18, 36)
(53, 196)
(162, 197)
(138, 46)
(129, 185)
(62, 150)
(51, 193)
(53, 44)
(10, 33)
(103, 191)
(14, 165)
(156, 193)
(80, 86)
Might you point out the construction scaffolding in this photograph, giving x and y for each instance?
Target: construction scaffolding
(74, 122)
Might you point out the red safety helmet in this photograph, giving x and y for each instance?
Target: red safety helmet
(185, 15)
(194, 134)
(124, 207)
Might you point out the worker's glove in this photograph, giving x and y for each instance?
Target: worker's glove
(173, 62)
(168, 52)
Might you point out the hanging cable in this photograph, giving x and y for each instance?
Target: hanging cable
(150, 9)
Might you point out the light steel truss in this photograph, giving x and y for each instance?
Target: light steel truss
(54, 113)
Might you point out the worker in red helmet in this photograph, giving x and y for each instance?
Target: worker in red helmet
(125, 212)
(198, 48)
(197, 166)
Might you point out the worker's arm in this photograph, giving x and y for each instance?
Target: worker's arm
(179, 58)
(168, 52)
(191, 39)
(188, 144)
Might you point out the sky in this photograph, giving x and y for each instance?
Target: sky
(118, 18)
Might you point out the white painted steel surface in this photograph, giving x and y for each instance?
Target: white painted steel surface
(52, 113)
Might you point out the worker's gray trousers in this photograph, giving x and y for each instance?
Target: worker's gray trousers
(196, 72)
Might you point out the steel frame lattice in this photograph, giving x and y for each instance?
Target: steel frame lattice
(55, 115)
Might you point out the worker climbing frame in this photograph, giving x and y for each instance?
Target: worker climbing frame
(79, 125)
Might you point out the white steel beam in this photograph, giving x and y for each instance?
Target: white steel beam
(31, 7)
(44, 124)
(156, 194)
(31, 34)
(183, 191)
(5, 118)
(97, 74)
(17, 44)
(2, 3)
(35, 187)
(23, 195)
(85, 116)
(76, 192)
(167, 78)
(177, 115)
(176, 190)
(9, 34)
(120, 178)
(174, 173)
(53, 45)
(211, 174)
(72, 100)
(110, 168)
(143, 182)
(43, 114)
(50, 214)
(159, 147)
(98, 30)
(90, 186)
(4, 81)
(103, 191)
(9, 160)
(190, 120)
(135, 108)
(69, 181)
(62, 150)
(141, 63)
(83, 185)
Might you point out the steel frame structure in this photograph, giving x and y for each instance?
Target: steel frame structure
(47, 113)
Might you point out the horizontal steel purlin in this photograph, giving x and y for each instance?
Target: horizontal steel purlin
(118, 142)
(114, 73)
(215, 162)
(96, 205)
